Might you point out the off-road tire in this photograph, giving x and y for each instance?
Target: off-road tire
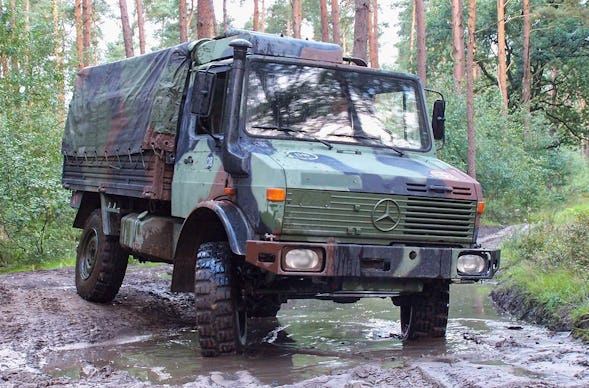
(426, 314)
(264, 307)
(221, 316)
(100, 263)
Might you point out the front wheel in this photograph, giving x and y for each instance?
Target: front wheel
(426, 314)
(100, 264)
(220, 310)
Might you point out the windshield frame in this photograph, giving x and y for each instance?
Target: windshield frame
(412, 80)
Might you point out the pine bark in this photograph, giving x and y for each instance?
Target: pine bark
(87, 31)
(182, 21)
(412, 36)
(256, 16)
(225, 22)
(79, 33)
(324, 21)
(263, 17)
(297, 17)
(373, 34)
(127, 38)
(204, 27)
(421, 53)
(335, 28)
(361, 18)
(140, 25)
(470, 129)
(58, 53)
(527, 76)
(502, 56)
(458, 43)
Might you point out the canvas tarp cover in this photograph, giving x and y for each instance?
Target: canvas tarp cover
(116, 106)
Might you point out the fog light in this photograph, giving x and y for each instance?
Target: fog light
(470, 264)
(308, 260)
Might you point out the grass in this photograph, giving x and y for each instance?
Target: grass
(550, 265)
(44, 265)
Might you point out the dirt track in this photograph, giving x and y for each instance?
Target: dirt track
(43, 320)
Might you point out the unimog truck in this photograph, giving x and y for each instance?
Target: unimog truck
(265, 168)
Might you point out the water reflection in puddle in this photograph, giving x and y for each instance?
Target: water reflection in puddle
(309, 338)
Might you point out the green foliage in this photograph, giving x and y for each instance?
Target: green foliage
(559, 52)
(518, 178)
(550, 263)
(33, 207)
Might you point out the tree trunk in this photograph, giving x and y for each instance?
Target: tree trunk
(324, 21)
(182, 21)
(225, 23)
(373, 35)
(256, 16)
(214, 20)
(470, 129)
(458, 43)
(79, 33)
(58, 53)
(140, 25)
(502, 56)
(421, 55)
(263, 17)
(527, 76)
(86, 30)
(361, 28)
(297, 17)
(127, 38)
(204, 27)
(13, 58)
(335, 21)
(412, 36)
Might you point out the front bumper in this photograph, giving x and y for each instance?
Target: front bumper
(372, 261)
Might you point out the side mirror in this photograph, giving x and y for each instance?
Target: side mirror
(202, 93)
(439, 119)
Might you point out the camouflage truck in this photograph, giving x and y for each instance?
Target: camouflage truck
(264, 169)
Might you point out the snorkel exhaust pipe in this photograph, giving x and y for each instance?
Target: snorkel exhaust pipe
(235, 160)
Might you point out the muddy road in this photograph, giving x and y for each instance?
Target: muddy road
(146, 337)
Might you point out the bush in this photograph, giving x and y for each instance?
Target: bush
(549, 264)
(518, 178)
(33, 206)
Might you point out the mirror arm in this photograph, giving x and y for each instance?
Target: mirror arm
(435, 92)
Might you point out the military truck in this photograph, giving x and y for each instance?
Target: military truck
(265, 168)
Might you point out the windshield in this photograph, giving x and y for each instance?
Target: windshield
(334, 105)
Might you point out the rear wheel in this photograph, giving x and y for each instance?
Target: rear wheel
(426, 314)
(220, 311)
(100, 264)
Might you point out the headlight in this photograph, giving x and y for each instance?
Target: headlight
(469, 264)
(303, 259)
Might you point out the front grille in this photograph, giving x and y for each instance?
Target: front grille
(348, 217)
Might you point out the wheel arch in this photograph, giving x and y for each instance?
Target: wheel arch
(208, 221)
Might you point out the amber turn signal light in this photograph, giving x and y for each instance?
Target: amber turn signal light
(480, 207)
(275, 195)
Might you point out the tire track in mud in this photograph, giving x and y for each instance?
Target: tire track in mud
(41, 316)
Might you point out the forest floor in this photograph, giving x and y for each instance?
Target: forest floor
(45, 326)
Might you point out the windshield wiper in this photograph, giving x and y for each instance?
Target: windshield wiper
(292, 130)
(379, 140)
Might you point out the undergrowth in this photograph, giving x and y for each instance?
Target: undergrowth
(550, 264)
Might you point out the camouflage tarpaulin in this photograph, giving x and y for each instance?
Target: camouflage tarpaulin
(116, 106)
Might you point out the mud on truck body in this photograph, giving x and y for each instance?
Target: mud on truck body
(265, 169)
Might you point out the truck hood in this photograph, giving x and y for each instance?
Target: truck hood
(370, 170)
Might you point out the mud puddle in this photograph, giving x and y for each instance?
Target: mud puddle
(50, 336)
(316, 338)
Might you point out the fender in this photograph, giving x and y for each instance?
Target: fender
(208, 221)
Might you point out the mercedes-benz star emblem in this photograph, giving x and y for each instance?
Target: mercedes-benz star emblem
(386, 215)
